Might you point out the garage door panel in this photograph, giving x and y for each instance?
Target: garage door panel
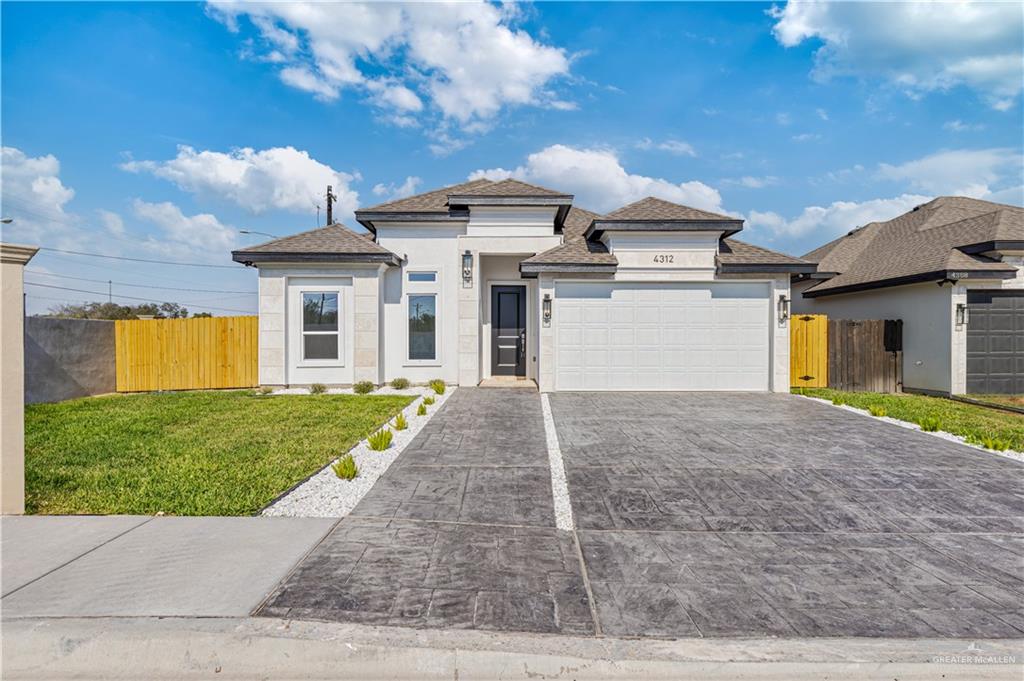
(639, 336)
(995, 342)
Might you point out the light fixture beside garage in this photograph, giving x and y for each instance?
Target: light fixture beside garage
(783, 308)
(546, 309)
(963, 315)
(467, 270)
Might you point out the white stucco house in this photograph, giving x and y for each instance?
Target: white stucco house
(505, 279)
(953, 270)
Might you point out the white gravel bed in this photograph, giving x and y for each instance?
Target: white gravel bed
(383, 390)
(1009, 454)
(559, 487)
(325, 495)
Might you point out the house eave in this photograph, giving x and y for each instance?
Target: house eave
(767, 268)
(726, 227)
(251, 259)
(937, 276)
(994, 245)
(367, 218)
(530, 270)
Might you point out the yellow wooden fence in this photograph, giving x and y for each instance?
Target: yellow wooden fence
(808, 351)
(186, 354)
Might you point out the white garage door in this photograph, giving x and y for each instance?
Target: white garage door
(626, 336)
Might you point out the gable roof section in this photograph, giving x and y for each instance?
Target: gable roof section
(575, 253)
(657, 215)
(735, 257)
(334, 243)
(938, 240)
(509, 187)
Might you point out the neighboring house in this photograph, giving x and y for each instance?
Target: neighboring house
(953, 271)
(487, 279)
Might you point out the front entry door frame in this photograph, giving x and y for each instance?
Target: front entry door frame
(519, 337)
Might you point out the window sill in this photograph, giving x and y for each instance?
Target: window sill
(421, 363)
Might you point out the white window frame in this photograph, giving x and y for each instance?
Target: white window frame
(339, 291)
(423, 288)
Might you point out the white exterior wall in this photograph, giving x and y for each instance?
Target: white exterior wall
(927, 313)
(426, 247)
(678, 256)
(280, 324)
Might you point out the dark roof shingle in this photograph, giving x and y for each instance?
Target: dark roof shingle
(920, 242)
(434, 201)
(507, 187)
(334, 242)
(654, 209)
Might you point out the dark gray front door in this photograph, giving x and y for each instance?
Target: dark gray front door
(508, 330)
(995, 342)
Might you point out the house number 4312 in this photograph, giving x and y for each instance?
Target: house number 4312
(664, 259)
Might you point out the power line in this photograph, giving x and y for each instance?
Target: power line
(150, 300)
(156, 262)
(121, 283)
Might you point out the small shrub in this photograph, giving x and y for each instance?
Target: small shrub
(265, 390)
(345, 467)
(317, 389)
(876, 410)
(838, 401)
(438, 386)
(400, 383)
(421, 410)
(363, 387)
(428, 401)
(380, 440)
(930, 424)
(400, 422)
(994, 443)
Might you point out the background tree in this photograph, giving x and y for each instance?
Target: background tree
(97, 310)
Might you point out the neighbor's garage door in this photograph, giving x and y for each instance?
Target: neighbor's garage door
(632, 336)
(995, 342)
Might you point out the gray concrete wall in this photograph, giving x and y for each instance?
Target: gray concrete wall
(67, 358)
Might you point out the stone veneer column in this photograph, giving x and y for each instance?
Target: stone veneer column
(780, 337)
(469, 326)
(272, 332)
(13, 259)
(546, 371)
(366, 291)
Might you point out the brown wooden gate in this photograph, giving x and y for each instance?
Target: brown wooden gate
(859, 359)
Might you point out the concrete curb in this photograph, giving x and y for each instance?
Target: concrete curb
(240, 648)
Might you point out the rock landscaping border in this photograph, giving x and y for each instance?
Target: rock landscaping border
(1009, 454)
(325, 495)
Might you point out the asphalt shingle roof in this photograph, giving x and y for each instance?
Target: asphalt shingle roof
(651, 209)
(919, 242)
(334, 239)
(434, 201)
(735, 252)
(508, 188)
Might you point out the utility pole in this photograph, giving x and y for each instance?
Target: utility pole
(330, 205)
(110, 291)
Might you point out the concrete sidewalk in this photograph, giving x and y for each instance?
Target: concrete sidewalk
(136, 566)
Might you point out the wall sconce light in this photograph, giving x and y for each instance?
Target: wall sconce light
(467, 270)
(546, 309)
(783, 308)
(963, 315)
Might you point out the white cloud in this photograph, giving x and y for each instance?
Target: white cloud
(822, 114)
(34, 196)
(827, 222)
(959, 126)
(391, 192)
(753, 182)
(783, 118)
(196, 234)
(112, 222)
(806, 137)
(469, 59)
(674, 147)
(918, 47)
(966, 172)
(279, 177)
(599, 181)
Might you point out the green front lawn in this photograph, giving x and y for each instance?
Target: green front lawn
(966, 420)
(1008, 400)
(189, 453)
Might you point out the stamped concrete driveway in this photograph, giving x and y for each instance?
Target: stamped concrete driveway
(757, 514)
(716, 515)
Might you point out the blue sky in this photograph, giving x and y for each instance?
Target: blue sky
(157, 131)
